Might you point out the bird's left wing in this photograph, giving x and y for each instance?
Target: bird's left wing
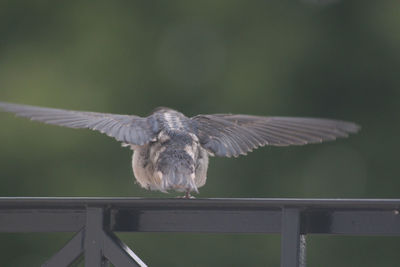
(125, 128)
(229, 135)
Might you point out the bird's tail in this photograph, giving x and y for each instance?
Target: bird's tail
(177, 172)
(179, 180)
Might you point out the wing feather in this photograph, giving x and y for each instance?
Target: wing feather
(229, 135)
(125, 128)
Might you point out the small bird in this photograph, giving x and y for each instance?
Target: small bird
(171, 150)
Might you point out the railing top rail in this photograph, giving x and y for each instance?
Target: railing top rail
(132, 202)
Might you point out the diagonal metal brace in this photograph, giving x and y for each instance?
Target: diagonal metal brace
(119, 253)
(98, 245)
(69, 253)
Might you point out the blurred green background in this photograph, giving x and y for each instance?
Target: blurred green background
(334, 59)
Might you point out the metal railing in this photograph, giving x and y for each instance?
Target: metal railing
(95, 219)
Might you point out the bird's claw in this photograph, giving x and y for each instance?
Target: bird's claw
(186, 196)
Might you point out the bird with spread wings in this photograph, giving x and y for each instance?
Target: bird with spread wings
(171, 150)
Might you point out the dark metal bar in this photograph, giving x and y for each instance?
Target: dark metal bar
(188, 220)
(102, 246)
(321, 221)
(94, 237)
(293, 218)
(41, 220)
(190, 216)
(290, 238)
(352, 222)
(69, 253)
(214, 203)
(119, 253)
(105, 263)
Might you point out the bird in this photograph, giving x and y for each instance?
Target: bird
(171, 151)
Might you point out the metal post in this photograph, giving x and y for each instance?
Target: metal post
(94, 237)
(102, 245)
(290, 236)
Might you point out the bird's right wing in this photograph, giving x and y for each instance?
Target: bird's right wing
(227, 135)
(125, 128)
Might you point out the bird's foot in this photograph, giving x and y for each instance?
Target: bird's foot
(187, 196)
